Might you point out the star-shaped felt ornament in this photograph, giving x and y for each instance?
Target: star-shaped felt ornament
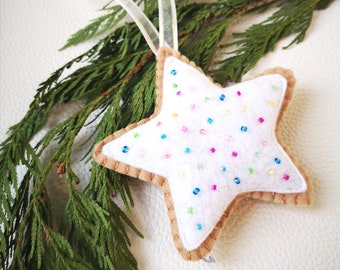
(208, 147)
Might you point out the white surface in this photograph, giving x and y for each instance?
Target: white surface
(261, 235)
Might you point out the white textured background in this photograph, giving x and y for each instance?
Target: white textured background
(260, 235)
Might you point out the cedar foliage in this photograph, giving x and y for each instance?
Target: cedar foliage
(117, 87)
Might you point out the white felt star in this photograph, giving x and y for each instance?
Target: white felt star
(207, 147)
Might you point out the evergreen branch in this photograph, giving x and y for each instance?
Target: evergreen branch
(60, 253)
(108, 23)
(99, 26)
(294, 17)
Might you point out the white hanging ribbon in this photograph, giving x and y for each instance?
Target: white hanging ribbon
(167, 23)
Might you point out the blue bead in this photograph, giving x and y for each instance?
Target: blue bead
(199, 226)
(173, 72)
(237, 180)
(224, 169)
(196, 191)
(125, 149)
(187, 150)
(210, 120)
(163, 136)
(244, 128)
(222, 97)
(277, 160)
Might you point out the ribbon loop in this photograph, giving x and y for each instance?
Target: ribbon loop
(148, 30)
(167, 24)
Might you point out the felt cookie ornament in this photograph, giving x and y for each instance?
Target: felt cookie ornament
(206, 146)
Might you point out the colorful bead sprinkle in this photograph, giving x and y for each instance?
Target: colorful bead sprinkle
(174, 85)
(212, 150)
(190, 210)
(250, 170)
(199, 226)
(234, 154)
(173, 72)
(237, 180)
(239, 93)
(277, 160)
(125, 149)
(163, 136)
(271, 171)
(136, 135)
(244, 128)
(196, 191)
(261, 120)
(210, 120)
(224, 169)
(179, 93)
(213, 187)
(222, 97)
(187, 150)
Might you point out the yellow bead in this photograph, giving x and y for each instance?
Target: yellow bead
(271, 103)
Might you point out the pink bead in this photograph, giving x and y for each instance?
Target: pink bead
(212, 150)
(261, 120)
(202, 131)
(238, 93)
(285, 177)
(179, 93)
(185, 129)
(213, 187)
(234, 154)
